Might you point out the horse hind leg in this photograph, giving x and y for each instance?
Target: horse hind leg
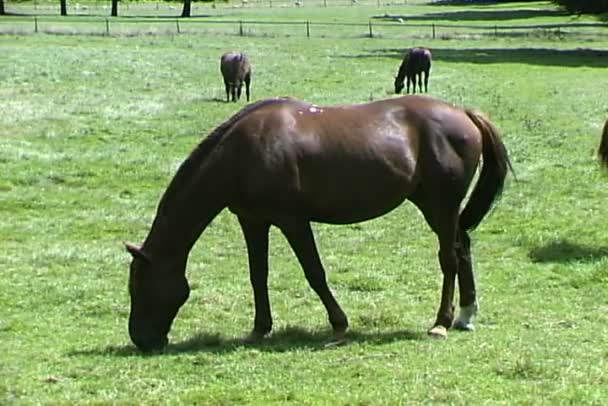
(227, 88)
(426, 81)
(301, 240)
(466, 284)
(247, 83)
(238, 91)
(443, 220)
(233, 92)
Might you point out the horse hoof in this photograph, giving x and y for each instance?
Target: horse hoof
(254, 338)
(463, 326)
(338, 339)
(336, 342)
(438, 332)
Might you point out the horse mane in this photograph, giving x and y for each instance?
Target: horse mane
(198, 154)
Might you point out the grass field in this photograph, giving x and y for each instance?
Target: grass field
(93, 128)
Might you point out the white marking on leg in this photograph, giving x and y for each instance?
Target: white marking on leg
(466, 316)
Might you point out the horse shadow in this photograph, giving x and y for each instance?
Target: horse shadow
(564, 251)
(284, 340)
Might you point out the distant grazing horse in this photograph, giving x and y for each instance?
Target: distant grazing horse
(287, 163)
(236, 70)
(602, 151)
(416, 62)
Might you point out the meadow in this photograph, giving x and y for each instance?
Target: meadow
(93, 128)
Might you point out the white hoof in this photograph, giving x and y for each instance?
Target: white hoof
(463, 326)
(464, 321)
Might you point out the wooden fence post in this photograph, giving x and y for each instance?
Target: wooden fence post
(307, 29)
(371, 32)
(177, 25)
(107, 26)
(36, 24)
(241, 29)
(433, 31)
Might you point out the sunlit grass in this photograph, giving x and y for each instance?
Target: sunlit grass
(93, 128)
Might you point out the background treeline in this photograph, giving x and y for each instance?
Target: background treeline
(584, 6)
(572, 6)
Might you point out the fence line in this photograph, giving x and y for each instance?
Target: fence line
(372, 28)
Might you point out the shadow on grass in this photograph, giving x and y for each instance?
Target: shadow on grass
(480, 15)
(533, 56)
(282, 341)
(564, 251)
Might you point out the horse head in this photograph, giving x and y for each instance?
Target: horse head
(398, 85)
(158, 288)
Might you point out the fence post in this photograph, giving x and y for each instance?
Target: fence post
(371, 32)
(36, 24)
(324, 3)
(307, 29)
(496, 31)
(433, 31)
(107, 26)
(241, 28)
(177, 25)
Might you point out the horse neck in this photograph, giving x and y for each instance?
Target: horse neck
(176, 228)
(198, 191)
(402, 70)
(194, 197)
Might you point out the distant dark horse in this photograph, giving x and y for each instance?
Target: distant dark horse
(602, 151)
(287, 163)
(236, 70)
(416, 62)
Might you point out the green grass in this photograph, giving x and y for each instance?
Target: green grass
(93, 128)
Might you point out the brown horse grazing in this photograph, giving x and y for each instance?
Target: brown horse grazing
(416, 62)
(602, 151)
(287, 163)
(236, 70)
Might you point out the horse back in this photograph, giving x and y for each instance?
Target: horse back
(419, 59)
(369, 157)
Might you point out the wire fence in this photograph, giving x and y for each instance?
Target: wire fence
(385, 27)
(141, 18)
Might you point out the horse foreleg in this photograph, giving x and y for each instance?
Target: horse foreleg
(426, 81)
(419, 75)
(256, 238)
(301, 240)
(466, 285)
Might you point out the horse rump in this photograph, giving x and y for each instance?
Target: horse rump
(236, 70)
(602, 151)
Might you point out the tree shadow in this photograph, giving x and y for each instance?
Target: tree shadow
(480, 15)
(564, 251)
(533, 56)
(284, 340)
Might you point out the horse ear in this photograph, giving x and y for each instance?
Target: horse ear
(136, 252)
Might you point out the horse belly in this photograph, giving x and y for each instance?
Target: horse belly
(353, 195)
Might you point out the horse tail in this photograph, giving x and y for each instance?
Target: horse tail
(495, 166)
(602, 151)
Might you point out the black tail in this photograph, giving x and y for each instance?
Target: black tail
(602, 151)
(491, 180)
